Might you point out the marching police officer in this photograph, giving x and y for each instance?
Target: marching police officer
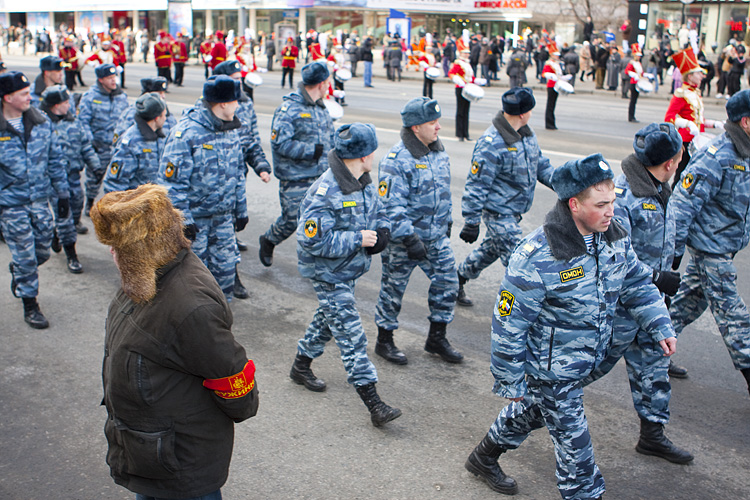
(98, 112)
(76, 150)
(553, 322)
(342, 223)
(156, 84)
(414, 185)
(711, 202)
(505, 167)
(301, 136)
(641, 209)
(31, 167)
(202, 168)
(52, 74)
(136, 158)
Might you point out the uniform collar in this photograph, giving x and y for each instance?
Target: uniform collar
(147, 132)
(641, 182)
(565, 241)
(415, 146)
(508, 133)
(344, 178)
(739, 138)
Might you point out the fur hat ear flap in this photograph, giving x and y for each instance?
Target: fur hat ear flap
(145, 231)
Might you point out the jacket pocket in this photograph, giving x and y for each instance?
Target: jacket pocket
(148, 454)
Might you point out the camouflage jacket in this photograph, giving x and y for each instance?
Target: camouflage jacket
(127, 119)
(76, 148)
(136, 158)
(98, 113)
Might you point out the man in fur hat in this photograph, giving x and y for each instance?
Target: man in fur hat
(170, 425)
(31, 169)
(203, 169)
(52, 74)
(552, 324)
(334, 246)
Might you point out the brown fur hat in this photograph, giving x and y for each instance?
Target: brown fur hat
(146, 233)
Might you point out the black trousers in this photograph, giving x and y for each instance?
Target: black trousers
(284, 73)
(681, 166)
(427, 87)
(338, 85)
(549, 115)
(70, 79)
(122, 76)
(80, 78)
(206, 72)
(633, 100)
(165, 72)
(462, 115)
(179, 73)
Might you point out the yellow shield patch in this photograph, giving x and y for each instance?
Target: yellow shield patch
(170, 170)
(474, 167)
(114, 168)
(505, 303)
(273, 135)
(383, 188)
(687, 181)
(311, 228)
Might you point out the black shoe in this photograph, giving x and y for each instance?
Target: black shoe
(460, 139)
(551, 128)
(89, 204)
(32, 315)
(462, 300)
(265, 252)
(74, 266)
(55, 245)
(81, 229)
(241, 245)
(653, 442)
(746, 373)
(302, 374)
(239, 289)
(633, 120)
(438, 344)
(380, 413)
(483, 463)
(677, 371)
(12, 280)
(386, 348)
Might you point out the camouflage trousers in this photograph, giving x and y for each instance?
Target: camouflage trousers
(503, 234)
(711, 281)
(559, 406)
(94, 177)
(28, 232)
(216, 245)
(65, 227)
(440, 268)
(646, 365)
(291, 194)
(337, 317)
(76, 194)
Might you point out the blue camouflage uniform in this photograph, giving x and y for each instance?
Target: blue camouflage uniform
(505, 167)
(202, 168)
(31, 169)
(37, 87)
(712, 204)
(251, 147)
(552, 325)
(642, 209)
(136, 158)
(329, 246)
(299, 124)
(98, 113)
(127, 119)
(415, 185)
(77, 151)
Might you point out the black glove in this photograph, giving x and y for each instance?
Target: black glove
(190, 231)
(470, 233)
(667, 301)
(667, 282)
(240, 223)
(676, 262)
(450, 227)
(414, 247)
(63, 208)
(318, 152)
(384, 236)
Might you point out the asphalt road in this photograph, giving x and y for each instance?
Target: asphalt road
(314, 446)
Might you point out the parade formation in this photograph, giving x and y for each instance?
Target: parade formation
(597, 282)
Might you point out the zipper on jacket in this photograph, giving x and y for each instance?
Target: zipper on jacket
(549, 355)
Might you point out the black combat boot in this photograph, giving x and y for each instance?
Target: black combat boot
(654, 442)
(302, 374)
(746, 373)
(241, 245)
(386, 348)
(438, 344)
(380, 413)
(80, 228)
(32, 315)
(483, 463)
(89, 205)
(55, 245)
(265, 252)
(239, 289)
(462, 299)
(677, 371)
(74, 266)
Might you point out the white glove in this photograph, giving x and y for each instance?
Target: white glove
(567, 78)
(550, 76)
(423, 65)
(339, 94)
(719, 124)
(634, 75)
(118, 69)
(694, 129)
(458, 81)
(649, 76)
(207, 58)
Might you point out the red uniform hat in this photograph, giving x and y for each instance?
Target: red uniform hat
(162, 33)
(552, 48)
(635, 49)
(220, 34)
(686, 61)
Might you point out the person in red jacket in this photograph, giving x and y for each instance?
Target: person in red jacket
(163, 56)
(122, 57)
(205, 50)
(180, 54)
(552, 72)
(461, 74)
(218, 51)
(634, 70)
(288, 62)
(69, 54)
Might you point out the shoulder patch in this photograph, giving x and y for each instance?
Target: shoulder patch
(178, 134)
(648, 206)
(311, 228)
(274, 134)
(488, 138)
(383, 188)
(284, 106)
(392, 155)
(348, 204)
(505, 303)
(475, 168)
(170, 170)
(572, 274)
(687, 181)
(712, 150)
(322, 190)
(114, 168)
(619, 190)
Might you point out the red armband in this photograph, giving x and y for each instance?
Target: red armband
(234, 386)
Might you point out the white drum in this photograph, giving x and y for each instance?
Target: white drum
(253, 80)
(472, 92)
(432, 73)
(644, 86)
(699, 142)
(480, 81)
(343, 75)
(334, 109)
(564, 88)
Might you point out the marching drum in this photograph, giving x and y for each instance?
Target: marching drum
(564, 88)
(334, 109)
(342, 75)
(699, 142)
(432, 73)
(253, 80)
(644, 86)
(472, 92)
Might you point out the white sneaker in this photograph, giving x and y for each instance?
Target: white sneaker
(719, 96)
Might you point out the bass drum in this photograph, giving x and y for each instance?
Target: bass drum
(472, 92)
(432, 73)
(334, 109)
(342, 75)
(253, 80)
(564, 88)
(644, 86)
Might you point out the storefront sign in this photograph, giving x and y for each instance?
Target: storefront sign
(500, 4)
(180, 18)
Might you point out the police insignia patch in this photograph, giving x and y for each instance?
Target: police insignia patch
(178, 134)
(305, 115)
(505, 303)
(687, 181)
(114, 168)
(512, 149)
(475, 167)
(420, 165)
(572, 274)
(741, 168)
(273, 134)
(322, 190)
(383, 188)
(146, 150)
(618, 191)
(208, 146)
(348, 204)
(391, 155)
(649, 206)
(311, 228)
(170, 170)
